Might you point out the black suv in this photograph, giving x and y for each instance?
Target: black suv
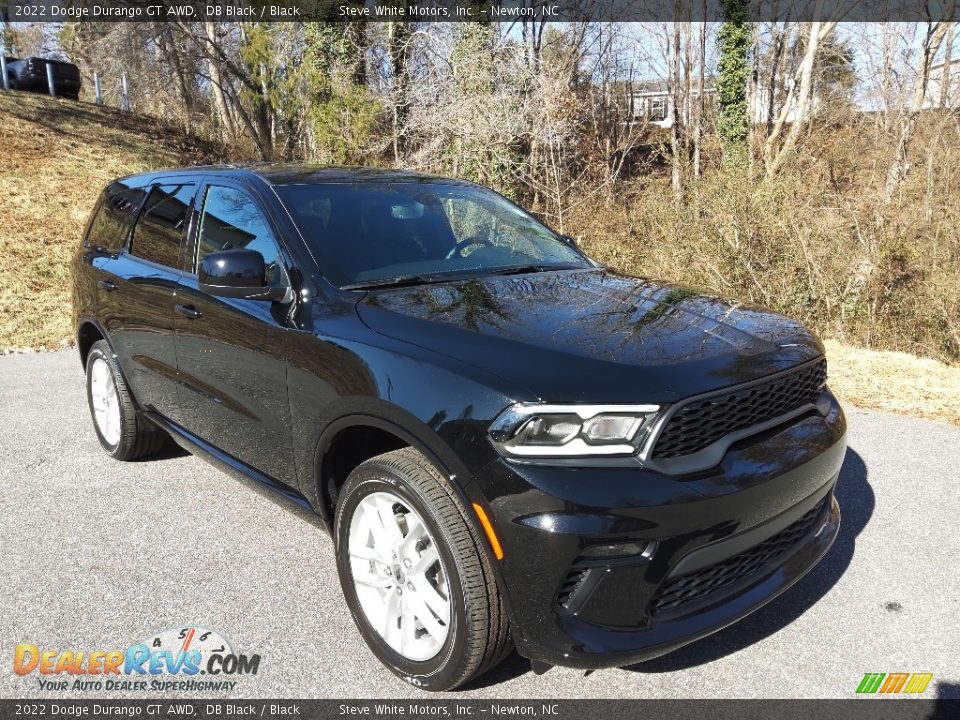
(511, 445)
(31, 74)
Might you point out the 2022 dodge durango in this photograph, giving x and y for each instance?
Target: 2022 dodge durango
(511, 445)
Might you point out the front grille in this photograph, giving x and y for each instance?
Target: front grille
(700, 423)
(695, 587)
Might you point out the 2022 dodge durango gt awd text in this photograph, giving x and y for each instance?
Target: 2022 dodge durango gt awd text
(511, 445)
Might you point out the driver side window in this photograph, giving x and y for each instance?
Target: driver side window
(231, 220)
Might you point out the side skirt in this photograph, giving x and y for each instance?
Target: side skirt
(229, 464)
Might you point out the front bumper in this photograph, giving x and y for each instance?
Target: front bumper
(715, 545)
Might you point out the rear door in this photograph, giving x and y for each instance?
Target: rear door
(231, 353)
(146, 274)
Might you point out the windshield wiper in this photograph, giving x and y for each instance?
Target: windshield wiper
(399, 281)
(526, 269)
(473, 274)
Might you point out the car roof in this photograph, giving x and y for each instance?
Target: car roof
(300, 174)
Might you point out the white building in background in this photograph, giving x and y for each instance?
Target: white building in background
(651, 102)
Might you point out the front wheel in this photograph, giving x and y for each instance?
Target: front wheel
(415, 576)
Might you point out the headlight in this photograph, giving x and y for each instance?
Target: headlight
(529, 430)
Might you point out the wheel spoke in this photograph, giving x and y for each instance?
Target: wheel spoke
(389, 518)
(370, 554)
(431, 598)
(426, 618)
(96, 376)
(381, 536)
(426, 560)
(391, 629)
(371, 579)
(108, 426)
(408, 629)
(416, 532)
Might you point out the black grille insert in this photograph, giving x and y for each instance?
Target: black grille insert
(573, 582)
(701, 423)
(677, 592)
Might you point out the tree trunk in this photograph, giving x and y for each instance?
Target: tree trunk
(216, 82)
(777, 153)
(674, 100)
(398, 40)
(701, 99)
(168, 46)
(946, 71)
(358, 39)
(936, 31)
(887, 82)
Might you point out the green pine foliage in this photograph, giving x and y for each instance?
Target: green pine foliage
(733, 73)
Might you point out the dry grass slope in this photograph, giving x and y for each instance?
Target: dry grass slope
(895, 382)
(55, 157)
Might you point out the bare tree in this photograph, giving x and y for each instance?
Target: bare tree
(935, 34)
(216, 77)
(797, 107)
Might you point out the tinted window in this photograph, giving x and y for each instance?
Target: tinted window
(232, 221)
(368, 232)
(160, 229)
(110, 226)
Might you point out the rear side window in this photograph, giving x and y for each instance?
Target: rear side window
(160, 228)
(111, 223)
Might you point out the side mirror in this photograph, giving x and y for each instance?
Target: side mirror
(570, 240)
(237, 274)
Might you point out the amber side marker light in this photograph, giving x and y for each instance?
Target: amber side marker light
(488, 529)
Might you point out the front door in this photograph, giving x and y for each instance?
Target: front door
(231, 353)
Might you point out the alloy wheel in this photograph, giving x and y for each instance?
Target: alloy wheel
(398, 576)
(105, 401)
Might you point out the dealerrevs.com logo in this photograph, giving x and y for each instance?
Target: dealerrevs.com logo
(188, 658)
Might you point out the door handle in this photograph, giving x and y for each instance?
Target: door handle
(108, 285)
(189, 311)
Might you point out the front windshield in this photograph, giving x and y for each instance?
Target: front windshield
(371, 233)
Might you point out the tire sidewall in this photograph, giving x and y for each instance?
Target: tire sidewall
(429, 674)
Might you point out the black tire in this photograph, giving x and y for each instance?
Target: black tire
(478, 637)
(138, 436)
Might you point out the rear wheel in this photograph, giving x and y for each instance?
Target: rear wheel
(120, 428)
(417, 581)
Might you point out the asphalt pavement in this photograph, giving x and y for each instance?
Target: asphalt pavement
(98, 554)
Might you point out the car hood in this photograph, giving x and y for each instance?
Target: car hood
(592, 335)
